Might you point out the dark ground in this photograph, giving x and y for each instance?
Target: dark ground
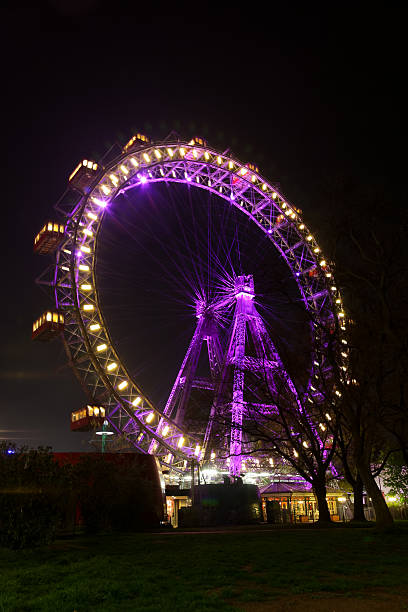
(233, 569)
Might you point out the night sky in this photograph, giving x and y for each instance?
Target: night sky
(310, 95)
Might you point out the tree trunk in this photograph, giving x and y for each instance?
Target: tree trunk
(383, 516)
(319, 488)
(358, 510)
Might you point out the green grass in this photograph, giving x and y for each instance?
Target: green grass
(219, 572)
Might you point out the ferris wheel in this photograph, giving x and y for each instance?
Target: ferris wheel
(114, 394)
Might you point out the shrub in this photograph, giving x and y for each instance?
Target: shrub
(33, 495)
(28, 519)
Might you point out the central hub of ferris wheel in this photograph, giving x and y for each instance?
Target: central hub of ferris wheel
(244, 287)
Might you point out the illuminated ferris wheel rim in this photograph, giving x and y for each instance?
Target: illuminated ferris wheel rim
(202, 167)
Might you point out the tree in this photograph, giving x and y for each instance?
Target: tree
(395, 476)
(370, 249)
(300, 427)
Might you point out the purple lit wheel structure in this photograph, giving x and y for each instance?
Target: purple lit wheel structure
(91, 349)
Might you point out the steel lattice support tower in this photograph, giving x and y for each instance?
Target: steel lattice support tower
(265, 364)
(206, 333)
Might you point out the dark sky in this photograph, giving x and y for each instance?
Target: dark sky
(307, 93)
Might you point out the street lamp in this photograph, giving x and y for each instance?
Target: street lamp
(104, 433)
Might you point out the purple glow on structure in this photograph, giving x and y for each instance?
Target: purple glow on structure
(101, 203)
(245, 317)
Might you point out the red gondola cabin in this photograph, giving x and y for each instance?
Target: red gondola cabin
(87, 418)
(84, 175)
(48, 238)
(252, 167)
(49, 325)
(135, 142)
(197, 140)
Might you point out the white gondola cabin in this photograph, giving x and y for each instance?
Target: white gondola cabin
(48, 238)
(49, 325)
(88, 418)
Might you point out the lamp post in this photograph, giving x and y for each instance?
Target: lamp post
(104, 433)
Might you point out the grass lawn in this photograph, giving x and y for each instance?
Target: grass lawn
(253, 569)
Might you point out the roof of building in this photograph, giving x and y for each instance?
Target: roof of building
(293, 487)
(286, 487)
